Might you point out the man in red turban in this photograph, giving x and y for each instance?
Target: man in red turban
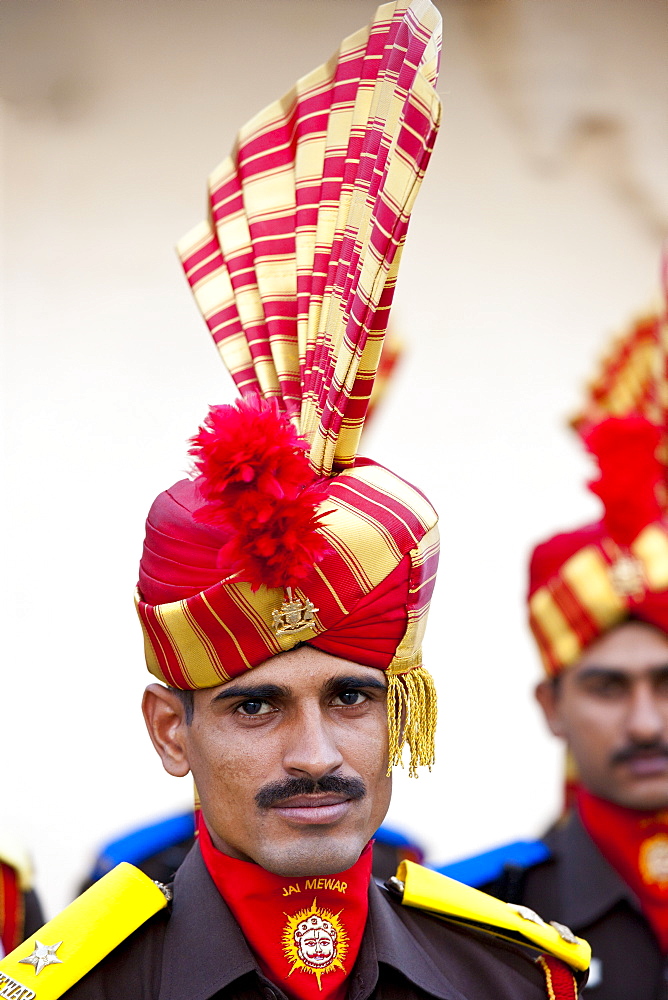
(598, 609)
(283, 595)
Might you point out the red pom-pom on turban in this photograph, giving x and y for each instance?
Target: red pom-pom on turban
(584, 582)
(370, 590)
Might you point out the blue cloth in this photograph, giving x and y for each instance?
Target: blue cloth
(487, 867)
(140, 844)
(393, 838)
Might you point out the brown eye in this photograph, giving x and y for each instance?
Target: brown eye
(607, 686)
(350, 697)
(255, 707)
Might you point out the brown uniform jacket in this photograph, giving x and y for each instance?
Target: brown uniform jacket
(196, 951)
(577, 887)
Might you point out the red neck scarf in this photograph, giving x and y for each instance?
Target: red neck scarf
(635, 842)
(305, 932)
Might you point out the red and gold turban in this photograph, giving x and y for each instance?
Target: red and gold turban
(285, 536)
(585, 582)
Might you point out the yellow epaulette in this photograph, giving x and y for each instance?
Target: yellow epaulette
(428, 890)
(14, 855)
(67, 947)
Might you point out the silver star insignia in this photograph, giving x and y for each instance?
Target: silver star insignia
(526, 914)
(564, 932)
(43, 955)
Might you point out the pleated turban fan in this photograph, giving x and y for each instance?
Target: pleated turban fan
(584, 582)
(285, 536)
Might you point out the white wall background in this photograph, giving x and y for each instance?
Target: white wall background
(535, 236)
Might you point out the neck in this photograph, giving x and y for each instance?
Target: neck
(311, 928)
(587, 803)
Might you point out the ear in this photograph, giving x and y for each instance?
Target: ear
(165, 717)
(547, 694)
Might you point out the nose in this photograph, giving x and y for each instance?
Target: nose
(311, 749)
(645, 723)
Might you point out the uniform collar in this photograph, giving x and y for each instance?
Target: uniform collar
(389, 941)
(581, 863)
(205, 951)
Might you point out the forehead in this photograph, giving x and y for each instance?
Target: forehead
(631, 648)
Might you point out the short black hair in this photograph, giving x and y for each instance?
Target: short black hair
(554, 681)
(187, 699)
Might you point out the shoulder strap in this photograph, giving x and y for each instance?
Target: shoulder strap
(69, 946)
(481, 869)
(442, 896)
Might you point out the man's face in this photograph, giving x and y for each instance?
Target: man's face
(317, 945)
(290, 761)
(611, 708)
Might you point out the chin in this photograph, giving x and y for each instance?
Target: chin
(643, 799)
(648, 803)
(316, 858)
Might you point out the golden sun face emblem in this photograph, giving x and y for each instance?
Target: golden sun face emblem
(654, 860)
(315, 941)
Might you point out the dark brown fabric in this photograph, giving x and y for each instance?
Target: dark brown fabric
(197, 952)
(577, 887)
(33, 918)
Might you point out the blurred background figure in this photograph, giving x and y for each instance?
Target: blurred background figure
(20, 910)
(598, 607)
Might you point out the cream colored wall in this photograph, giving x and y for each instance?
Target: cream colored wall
(533, 239)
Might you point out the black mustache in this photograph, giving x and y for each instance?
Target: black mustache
(637, 750)
(278, 791)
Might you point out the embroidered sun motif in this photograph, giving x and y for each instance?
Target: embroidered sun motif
(653, 860)
(315, 941)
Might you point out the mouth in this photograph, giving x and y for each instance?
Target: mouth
(646, 763)
(313, 810)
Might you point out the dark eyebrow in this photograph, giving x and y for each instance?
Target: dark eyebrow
(265, 692)
(594, 671)
(618, 673)
(251, 692)
(353, 684)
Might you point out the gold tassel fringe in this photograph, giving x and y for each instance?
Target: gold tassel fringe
(411, 718)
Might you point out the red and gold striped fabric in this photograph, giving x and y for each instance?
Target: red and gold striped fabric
(294, 269)
(631, 376)
(585, 582)
(370, 594)
(559, 979)
(390, 357)
(582, 585)
(294, 272)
